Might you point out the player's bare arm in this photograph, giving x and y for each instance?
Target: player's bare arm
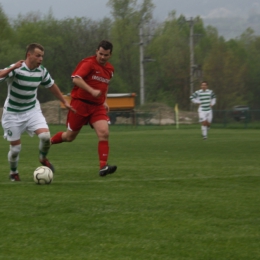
(56, 92)
(82, 84)
(5, 72)
(106, 105)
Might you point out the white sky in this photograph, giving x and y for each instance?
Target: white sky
(97, 9)
(94, 9)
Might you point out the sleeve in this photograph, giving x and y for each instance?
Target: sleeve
(47, 80)
(9, 75)
(82, 69)
(194, 98)
(213, 99)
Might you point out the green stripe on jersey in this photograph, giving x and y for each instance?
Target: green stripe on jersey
(21, 96)
(24, 88)
(46, 83)
(20, 110)
(28, 78)
(11, 102)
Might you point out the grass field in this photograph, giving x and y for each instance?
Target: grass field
(173, 197)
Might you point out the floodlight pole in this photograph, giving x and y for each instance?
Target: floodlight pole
(141, 44)
(191, 22)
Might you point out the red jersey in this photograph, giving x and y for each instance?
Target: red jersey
(96, 76)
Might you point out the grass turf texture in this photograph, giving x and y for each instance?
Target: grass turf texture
(174, 196)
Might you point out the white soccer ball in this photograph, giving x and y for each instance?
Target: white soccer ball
(43, 175)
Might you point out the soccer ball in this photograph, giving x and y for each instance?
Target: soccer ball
(43, 175)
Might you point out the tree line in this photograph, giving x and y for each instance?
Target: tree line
(231, 67)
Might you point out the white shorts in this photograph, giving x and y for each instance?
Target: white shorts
(14, 124)
(205, 116)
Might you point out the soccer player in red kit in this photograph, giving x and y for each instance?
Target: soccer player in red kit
(88, 97)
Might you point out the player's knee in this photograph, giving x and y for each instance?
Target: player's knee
(45, 137)
(15, 150)
(103, 135)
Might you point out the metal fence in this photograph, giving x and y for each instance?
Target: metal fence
(160, 117)
(240, 119)
(221, 118)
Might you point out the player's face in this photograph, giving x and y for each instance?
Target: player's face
(204, 86)
(35, 58)
(103, 55)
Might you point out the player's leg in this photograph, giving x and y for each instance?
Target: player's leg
(13, 159)
(102, 131)
(204, 130)
(209, 119)
(44, 146)
(67, 136)
(36, 124)
(74, 124)
(13, 127)
(203, 121)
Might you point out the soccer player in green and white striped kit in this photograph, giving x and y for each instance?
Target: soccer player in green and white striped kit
(206, 99)
(22, 111)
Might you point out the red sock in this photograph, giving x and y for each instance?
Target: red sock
(103, 150)
(57, 138)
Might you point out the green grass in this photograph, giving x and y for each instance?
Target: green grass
(174, 196)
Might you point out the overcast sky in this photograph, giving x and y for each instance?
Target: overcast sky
(97, 9)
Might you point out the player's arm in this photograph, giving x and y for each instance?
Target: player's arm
(213, 102)
(106, 105)
(5, 72)
(194, 99)
(213, 99)
(57, 93)
(78, 81)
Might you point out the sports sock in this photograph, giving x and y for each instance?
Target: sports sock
(204, 130)
(13, 157)
(57, 138)
(103, 150)
(44, 144)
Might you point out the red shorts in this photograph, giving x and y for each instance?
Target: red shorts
(86, 114)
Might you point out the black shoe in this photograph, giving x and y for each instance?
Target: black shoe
(46, 162)
(14, 177)
(108, 169)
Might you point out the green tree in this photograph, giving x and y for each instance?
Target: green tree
(125, 36)
(168, 80)
(251, 43)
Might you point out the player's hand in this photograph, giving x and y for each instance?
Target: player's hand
(69, 107)
(96, 93)
(106, 107)
(18, 64)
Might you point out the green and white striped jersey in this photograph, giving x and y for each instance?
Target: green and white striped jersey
(204, 98)
(23, 84)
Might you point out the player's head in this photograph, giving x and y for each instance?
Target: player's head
(204, 85)
(104, 52)
(106, 45)
(34, 55)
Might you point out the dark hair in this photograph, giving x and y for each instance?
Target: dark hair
(106, 45)
(31, 47)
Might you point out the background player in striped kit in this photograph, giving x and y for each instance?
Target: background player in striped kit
(22, 111)
(206, 99)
